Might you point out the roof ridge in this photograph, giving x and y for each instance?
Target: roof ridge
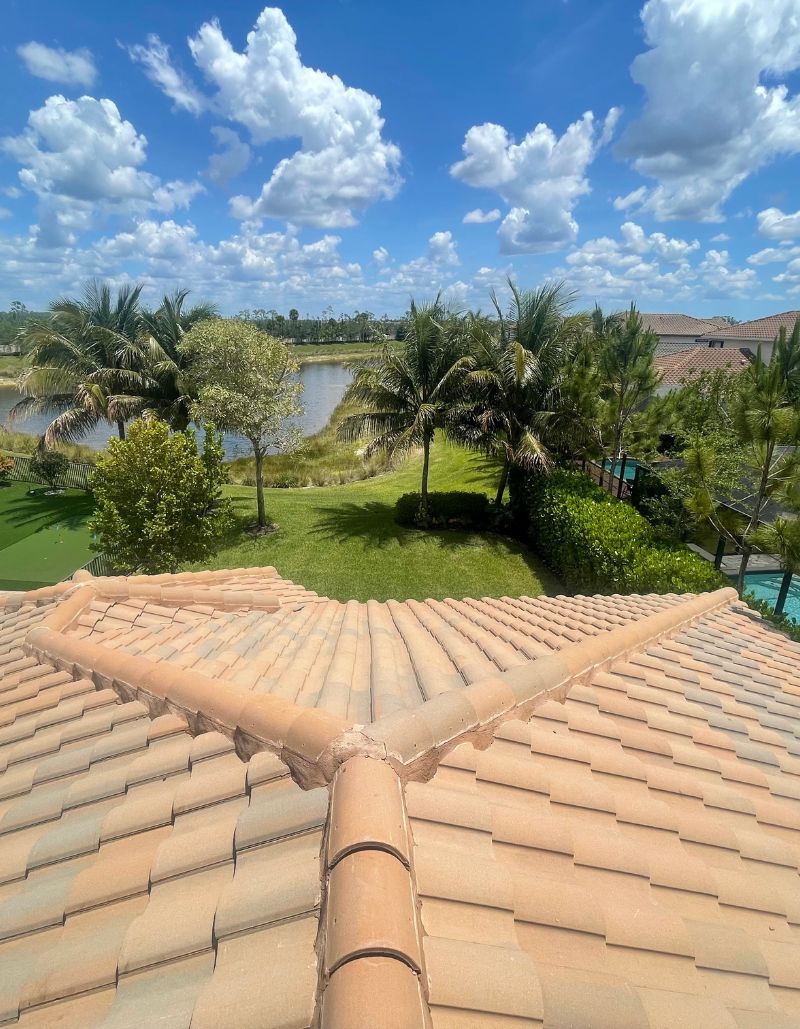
(314, 743)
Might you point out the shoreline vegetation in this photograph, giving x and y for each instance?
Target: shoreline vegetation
(321, 459)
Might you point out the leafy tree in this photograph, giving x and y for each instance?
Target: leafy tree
(409, 392)
(85, 363)
(48, 465)
(625, 360)
(246, 382)
(522, 404)
(158, 499)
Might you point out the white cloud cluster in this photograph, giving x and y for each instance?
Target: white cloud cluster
(72, 67)
(232, 157)
(652, 267)
(342, 165)
(82, 160)
(481, 217)
(541, 178)
(713, 113)
(774, 224)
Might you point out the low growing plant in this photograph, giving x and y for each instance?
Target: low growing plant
(598, 544)
(48, 466)
(159, 499)
(455, 510)
(6, 467)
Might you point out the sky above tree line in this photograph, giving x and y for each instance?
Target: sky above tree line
(352, 154)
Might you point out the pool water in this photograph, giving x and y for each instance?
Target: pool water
(765, 586)
(630, 468)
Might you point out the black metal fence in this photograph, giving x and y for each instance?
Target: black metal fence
(74, 476)
(99, 565)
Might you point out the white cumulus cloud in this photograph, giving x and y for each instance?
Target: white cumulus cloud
(82, 159)
(714, 112)
(541, 178)
(232, 157)
(481, 217)
(342, 163)
(72, 67)
(774, 224)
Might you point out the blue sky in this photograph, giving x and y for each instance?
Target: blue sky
(645, 152)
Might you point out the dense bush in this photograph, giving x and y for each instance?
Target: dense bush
(159, 498)
(597, 544)
(457, 510)
(6, 467)
(48, 466)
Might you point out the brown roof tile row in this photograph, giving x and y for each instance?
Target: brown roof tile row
(628, 857)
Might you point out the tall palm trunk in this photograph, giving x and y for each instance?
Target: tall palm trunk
(121, 428)
(501, 488)
(755, 518)
(426, 458)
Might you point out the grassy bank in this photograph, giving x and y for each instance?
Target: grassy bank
(342, 541)
(24, 443)
(321, 460)
(317, 353)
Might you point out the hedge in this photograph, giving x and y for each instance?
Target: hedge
(455, 510)
(597, 544)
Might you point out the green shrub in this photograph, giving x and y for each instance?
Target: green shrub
(6, 467)
(159, 498)
(48, 466)
(597, 544)
(456, 510)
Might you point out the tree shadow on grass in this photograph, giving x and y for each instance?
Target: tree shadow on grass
(40, 510)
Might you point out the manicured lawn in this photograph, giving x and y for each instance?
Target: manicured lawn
(42, 539)
(342, 541)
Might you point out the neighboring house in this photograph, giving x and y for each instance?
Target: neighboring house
(228, 802)
(760, 332)
(678, 331)
(682, 365)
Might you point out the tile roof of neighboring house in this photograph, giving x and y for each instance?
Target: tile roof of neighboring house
(676, 368)
(570, 812)
(765, 329)
(679, 324)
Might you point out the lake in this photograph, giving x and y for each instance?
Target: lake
(323, 387)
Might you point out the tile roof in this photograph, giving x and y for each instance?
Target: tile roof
(763, 329)
(680, 324)
(569, 812)
(678, 367)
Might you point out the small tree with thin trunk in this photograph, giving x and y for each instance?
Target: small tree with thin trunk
(246, 382)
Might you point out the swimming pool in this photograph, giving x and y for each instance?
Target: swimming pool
(765, 586)
(630, 468)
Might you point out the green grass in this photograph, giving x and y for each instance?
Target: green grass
(342, 541)
(42, 539)
(321, 460)
(319, 352)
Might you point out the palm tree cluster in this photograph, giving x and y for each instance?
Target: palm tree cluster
(107, 358)
(533, 387)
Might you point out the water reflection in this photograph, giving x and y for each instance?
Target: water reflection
(323, 387)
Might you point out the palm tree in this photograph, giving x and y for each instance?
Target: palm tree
(167, 390)
(519, 412)
(766, 421)
(409, 393)
(85, 363)
(625, 359)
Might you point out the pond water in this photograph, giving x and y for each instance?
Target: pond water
(323, 387)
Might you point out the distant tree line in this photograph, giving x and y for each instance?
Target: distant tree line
(361, 326)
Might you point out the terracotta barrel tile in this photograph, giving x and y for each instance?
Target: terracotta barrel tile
(367, 810)
(371, 992)
(279, 809)
(371, 910)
